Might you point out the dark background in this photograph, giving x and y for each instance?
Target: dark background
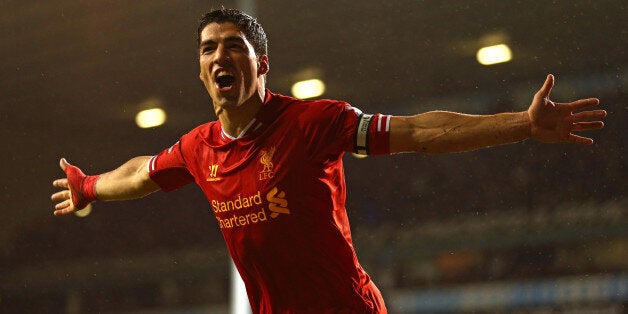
(73, 74)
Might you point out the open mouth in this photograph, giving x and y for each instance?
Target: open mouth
(225, 81)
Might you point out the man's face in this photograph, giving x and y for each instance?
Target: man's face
(230, 69)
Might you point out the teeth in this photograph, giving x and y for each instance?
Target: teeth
(222, 73)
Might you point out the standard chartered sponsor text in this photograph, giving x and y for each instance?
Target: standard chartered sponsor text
(239, 212)
(242, 220)
(238, 203)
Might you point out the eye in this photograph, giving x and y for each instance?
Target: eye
(207, 50)
(236, 47)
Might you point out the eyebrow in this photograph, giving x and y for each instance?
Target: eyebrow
(208, 42)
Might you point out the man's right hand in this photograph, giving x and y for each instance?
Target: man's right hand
(79, 190)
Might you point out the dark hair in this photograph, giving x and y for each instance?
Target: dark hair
(247, 24)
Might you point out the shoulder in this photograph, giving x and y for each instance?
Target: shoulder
(202, 133)
(314, 105)
(311, 110)
(201, 130)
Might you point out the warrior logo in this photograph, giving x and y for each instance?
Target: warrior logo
(213, 173)
(266, 160)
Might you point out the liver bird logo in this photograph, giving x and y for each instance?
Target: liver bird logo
(266, 159)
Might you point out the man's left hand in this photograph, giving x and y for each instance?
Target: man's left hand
(552, 122)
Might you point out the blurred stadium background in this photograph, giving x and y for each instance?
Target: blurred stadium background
(526, 228)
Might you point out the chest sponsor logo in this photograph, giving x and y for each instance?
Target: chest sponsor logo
(277, 203)
(246, 210)
(213, 173)
(266, 159)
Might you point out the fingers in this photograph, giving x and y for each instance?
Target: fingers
(63, 164)
(577, 139)
(64, 198)
(582, 103)
(64, 208)
(586, 126)
(63, 205)
(61, 183)
(588, 115)
(61, 196)
(581, 124)
(546, 89)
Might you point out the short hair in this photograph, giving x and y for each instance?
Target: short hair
(247, 24)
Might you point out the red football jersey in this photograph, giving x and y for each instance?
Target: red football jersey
(278, 194)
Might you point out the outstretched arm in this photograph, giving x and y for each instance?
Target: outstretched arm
(545, 120)
(129, 181)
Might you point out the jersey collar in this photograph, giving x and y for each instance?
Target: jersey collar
(256, 123)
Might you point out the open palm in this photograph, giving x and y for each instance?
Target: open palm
(555, 122)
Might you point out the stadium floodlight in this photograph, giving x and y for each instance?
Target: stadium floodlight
(84, 212)
(308, 88)
(494, 54)
(150, 118)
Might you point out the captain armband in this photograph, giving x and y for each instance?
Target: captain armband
(372, 134)
(362, 134)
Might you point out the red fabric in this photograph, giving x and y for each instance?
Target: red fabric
(278, 194)
(82, 187)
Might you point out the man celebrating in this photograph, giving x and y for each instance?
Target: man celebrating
(271, 169)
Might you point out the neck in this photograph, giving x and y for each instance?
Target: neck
(235, 119)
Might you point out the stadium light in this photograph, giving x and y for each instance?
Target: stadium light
(84, 212)
(150, 118)
(494, 54)
(358, 156)
(308, 88)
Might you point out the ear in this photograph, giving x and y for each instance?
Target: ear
(262, 65)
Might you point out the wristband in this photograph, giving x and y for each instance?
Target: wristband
(83, 187)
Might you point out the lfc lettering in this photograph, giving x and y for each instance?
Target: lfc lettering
(266, 175)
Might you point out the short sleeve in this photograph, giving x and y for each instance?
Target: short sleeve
(168, 169)
(339, 127)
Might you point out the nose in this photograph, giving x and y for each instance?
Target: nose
(221, 55)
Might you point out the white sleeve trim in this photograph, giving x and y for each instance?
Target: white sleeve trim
(150, 166)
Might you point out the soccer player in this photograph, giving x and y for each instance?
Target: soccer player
(271, 169)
